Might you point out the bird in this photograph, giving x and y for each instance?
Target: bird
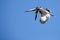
(45, 13)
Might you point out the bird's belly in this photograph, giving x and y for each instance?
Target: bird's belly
(43, 18)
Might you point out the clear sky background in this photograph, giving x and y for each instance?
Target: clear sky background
(17, 25)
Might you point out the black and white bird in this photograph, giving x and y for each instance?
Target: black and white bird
(45, 13)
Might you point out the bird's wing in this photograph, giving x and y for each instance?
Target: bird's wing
(47, 9)
(31, 10)
(41, 10)
(35, 16)
(50, 12)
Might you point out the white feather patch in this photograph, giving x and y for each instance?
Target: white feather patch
(43, 18)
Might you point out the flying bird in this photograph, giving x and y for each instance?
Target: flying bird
(45, 13)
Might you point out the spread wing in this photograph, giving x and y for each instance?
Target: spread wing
(48, 10)
(31, 10)
(35, 16)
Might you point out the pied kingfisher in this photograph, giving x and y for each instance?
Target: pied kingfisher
(45, 13)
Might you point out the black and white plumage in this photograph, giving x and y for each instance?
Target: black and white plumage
(45, 13)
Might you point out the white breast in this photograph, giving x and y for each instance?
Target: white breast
(43, 18)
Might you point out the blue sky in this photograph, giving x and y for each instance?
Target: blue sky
(17, 25)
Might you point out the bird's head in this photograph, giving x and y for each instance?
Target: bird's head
(38, 7)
